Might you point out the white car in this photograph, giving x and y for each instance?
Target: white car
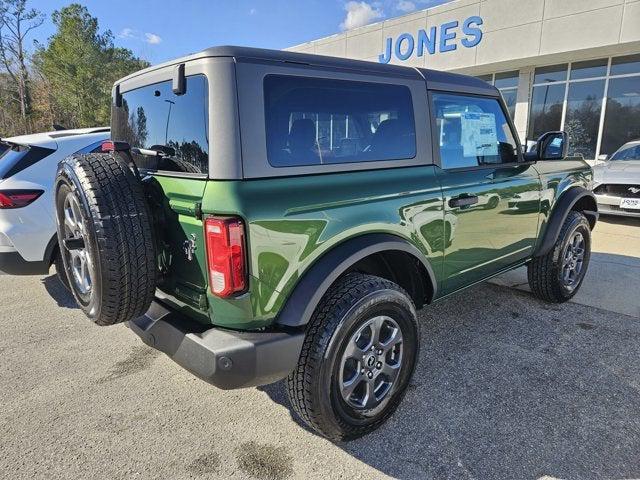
(617, 182)
(28, 164)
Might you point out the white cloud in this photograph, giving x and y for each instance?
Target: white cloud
(126, 33)
(152, 38)
(406, 6)
(132, 34)
(253, 11)
(360, 14)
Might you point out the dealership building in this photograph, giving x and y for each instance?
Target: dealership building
(569, 65)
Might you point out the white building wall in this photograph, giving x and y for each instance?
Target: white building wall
(517, 35)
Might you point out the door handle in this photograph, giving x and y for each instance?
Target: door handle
(465, 201)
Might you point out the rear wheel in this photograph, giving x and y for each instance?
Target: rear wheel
(105, 237)
(358, 357)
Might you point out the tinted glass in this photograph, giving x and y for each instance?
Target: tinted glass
(312, 121)
(506, 79)
(629, 153)
(584, 104)
(16, 159)
(625, 65)
(472, 131)
(545, 113)
(510, 96)
(153, 116)
(622, 116)
(553, 73)
(589, 69)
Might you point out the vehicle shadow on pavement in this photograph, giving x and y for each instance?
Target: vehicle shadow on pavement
(509, 387)
(58, 292)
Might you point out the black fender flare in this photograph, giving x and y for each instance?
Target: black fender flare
(559, 213)
(52, 248)
(315, 282)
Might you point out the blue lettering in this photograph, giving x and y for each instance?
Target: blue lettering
(472, 31)
(386, 57)
(428, 41)
(445, 36)
(410, 46)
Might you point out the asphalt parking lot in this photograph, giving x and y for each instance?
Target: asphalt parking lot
(506, 387)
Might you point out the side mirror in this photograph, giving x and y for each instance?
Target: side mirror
(550, 146)
(603, 158)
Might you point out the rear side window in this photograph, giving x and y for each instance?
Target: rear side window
(311, 121)
(153, 117)
(472, 131)
(17, 158)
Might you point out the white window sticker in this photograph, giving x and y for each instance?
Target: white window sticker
(479, 135)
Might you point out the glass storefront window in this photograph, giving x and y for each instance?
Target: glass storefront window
(486, 78)
(622, 115)
(506, 80)
(588, 69)
(625, 65)
(552, 73)
(582, 119)
(509, 96)
(545, 113)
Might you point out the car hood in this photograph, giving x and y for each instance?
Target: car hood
(618, 171)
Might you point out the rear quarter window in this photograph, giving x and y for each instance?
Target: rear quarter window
(153, 116)
(315, 121)
(16, 159)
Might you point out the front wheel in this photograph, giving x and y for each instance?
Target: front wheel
(357, 359)
(557, 276)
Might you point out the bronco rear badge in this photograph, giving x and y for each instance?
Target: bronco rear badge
(189, 246)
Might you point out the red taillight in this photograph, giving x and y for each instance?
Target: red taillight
(18, 198)
(107, 146)
(226, 255)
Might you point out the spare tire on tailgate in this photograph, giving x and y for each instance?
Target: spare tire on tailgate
(105, 234)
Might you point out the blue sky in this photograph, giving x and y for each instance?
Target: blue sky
(159, 30)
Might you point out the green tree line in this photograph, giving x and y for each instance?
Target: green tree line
(64, 81)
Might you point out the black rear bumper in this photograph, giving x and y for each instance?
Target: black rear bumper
(225, 358)
(12, 263)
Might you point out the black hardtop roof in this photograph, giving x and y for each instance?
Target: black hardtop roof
(437, 78)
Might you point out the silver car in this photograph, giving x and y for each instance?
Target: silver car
(617, 182)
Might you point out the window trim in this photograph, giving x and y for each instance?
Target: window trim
(436, 144)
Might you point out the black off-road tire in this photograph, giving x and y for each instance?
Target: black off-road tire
(60, 272)
(118, 236)
(312, 387)
(545, 272)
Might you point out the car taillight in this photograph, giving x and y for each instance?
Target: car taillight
(18, 198)
(107, 146)
(226, 255)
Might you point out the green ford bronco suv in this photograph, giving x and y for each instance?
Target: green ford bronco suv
(262, 215)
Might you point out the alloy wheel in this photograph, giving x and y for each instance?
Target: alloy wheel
(371, 363)
(573, 260)
(77, 257)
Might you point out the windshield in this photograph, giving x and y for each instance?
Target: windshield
(632, 152)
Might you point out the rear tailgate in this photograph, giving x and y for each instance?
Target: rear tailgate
(181, 246)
